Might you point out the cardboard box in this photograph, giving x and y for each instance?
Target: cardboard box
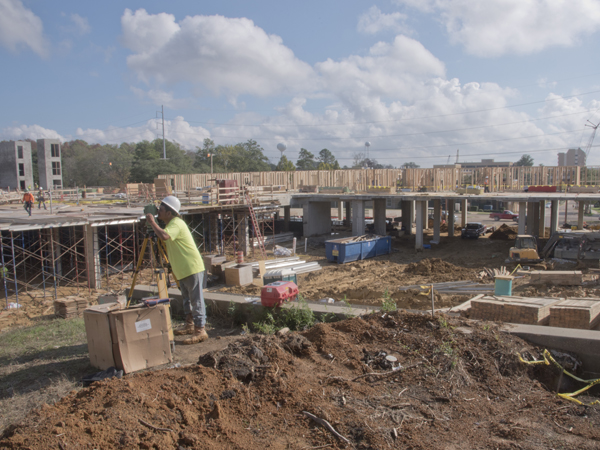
(129, 339)
(239, 275)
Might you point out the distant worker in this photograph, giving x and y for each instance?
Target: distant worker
(187, 266)
(41, 199)
(28, 200)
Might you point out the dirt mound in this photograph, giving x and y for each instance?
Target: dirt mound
(431, 266)
(505, 232)
(381, 381)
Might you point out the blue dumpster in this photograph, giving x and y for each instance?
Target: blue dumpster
(345, 250)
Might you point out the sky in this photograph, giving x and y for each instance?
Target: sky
(424, 81)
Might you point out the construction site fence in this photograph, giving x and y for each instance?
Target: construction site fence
(497, 179)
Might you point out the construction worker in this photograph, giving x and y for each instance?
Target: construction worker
(40, 198)
(187, 266)
(28, 201)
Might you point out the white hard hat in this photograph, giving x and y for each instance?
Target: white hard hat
(41, 188)
(172, 202)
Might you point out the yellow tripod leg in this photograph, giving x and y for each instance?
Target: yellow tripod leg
(137, 270)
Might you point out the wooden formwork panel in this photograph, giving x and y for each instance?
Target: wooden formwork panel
(557, 277)
(532, 311)
(582, 313)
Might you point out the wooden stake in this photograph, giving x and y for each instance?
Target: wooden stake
(432, 303)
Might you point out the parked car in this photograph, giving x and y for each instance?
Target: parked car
(473, 230)
(505, 215)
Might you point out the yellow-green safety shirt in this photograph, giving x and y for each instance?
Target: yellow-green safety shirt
(183, 254)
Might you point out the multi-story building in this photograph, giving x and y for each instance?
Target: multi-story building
(16, 166)
(573, 157)
(49, 163)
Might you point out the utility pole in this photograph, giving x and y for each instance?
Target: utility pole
(162, 109)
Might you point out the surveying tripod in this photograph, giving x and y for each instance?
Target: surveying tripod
(158, 258)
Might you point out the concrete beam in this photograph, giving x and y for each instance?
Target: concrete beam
(358, 217)
(379, 216)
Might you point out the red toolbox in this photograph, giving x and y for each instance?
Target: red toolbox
(277, 293)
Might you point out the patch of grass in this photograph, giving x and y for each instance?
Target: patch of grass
(46, 336)
(388, 304)
(297, 317)
(347, 308)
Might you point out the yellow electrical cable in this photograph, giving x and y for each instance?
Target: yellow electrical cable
(548, 359)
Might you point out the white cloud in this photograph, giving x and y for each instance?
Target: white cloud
(374, 21)
(20, 27)
(82, 26)
(158, 97)
(496, 27)
(21, 132)
(225, 55)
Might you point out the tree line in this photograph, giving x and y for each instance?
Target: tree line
(86, 164)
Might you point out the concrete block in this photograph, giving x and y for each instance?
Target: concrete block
(238, 275)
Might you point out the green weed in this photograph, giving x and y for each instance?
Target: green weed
(388, 304)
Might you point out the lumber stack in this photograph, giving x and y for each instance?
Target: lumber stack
(557, 277)
(70, 307)
(582, 313)
(532, 311)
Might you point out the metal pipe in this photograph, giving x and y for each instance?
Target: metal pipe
(12, 246)
(53, 262)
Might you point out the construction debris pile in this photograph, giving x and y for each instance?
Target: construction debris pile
(505, 232)
(382, 381)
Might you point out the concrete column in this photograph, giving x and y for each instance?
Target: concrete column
(348, 217)
(522, 217)
(580, 215)
(358, 217)
(286, 218)
(92, 256)
(213, 226)
(437, 218)
(408, 212)
(316, 218)
(554, 217)
(379, 213)
(463, 213)
(242, 233)
(340, 210)
(531, 218)
(424, 215)
(536, 218)
(450, 216)
(542, 228)
(419, 231)
(57, 250)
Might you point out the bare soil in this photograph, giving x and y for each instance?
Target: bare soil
(458, 384)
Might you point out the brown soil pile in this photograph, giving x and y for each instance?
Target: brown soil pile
(451, 384)
(505, 233)
(431, 266)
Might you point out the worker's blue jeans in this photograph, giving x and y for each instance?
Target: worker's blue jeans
(193, 298)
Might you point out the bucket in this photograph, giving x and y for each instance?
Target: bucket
(240, 257)
(503, 285)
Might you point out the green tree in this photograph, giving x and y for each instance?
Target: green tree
(285, 165)
(410, 165)
(525, 160)
(147, 162)
(306, 160)
(202, 157)
(326, 157)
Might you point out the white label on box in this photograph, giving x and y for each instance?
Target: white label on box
(143, 325)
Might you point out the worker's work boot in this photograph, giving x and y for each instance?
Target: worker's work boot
(188, 328)
(199, 335)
